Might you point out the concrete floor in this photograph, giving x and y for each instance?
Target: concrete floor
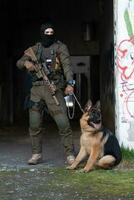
(15, 146)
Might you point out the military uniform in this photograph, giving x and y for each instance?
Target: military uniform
(60, 73)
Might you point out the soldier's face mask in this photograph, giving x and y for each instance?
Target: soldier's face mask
(48, 38)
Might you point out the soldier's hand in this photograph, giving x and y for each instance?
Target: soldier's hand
(69, 89)
(29, 65)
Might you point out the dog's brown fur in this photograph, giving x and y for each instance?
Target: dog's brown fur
(92, 143)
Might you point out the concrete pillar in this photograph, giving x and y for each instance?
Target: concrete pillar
(124, 71)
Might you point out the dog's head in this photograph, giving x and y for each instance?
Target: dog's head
(94, 112)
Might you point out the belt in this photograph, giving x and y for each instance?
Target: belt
(38, 83)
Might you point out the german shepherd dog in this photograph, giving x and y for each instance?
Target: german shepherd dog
(99, 143)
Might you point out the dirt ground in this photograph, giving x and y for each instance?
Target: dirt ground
(51, 180)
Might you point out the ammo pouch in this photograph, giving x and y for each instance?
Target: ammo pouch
(58, 79)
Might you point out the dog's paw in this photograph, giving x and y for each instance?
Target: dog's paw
(86, 170)
(82, 171)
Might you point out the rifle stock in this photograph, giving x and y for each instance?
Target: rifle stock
(41, 74)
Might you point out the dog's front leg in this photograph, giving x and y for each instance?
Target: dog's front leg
(92, 159)
(81, 155)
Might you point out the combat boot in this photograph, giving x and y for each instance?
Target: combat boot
(36, 159)
(70, 159)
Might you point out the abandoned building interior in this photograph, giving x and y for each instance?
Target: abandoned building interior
(86, 27)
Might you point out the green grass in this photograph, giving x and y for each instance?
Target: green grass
(102, 182)
(98, 184)
(127, 154)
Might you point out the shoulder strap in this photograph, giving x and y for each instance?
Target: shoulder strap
(39, 50)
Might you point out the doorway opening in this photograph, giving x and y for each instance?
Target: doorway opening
(86, 27)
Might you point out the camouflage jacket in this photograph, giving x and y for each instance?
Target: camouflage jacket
(61, 61)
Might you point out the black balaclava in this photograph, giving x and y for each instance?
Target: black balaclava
(47, 40)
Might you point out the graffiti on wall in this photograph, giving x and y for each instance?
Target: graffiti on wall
(125, 66)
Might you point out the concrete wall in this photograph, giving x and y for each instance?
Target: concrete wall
(124, 71)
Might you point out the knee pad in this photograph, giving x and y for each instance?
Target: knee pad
(34, 105)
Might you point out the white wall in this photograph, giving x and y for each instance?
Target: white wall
(124, 71)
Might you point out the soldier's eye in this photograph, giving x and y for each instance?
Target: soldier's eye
(49, 32)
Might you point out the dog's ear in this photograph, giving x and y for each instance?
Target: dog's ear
(98, 105)
(88, 106)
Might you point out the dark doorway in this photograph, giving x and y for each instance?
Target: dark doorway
(78, 24)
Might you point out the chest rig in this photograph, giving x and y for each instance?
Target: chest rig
(50, 61)
(49, 58)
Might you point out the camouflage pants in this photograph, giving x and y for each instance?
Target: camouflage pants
(59, 114)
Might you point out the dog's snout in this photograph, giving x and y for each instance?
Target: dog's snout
(95, 116)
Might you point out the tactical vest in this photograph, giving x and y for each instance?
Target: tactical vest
(49, 57)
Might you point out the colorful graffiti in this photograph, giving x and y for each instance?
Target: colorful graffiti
(125, 64)
(125, 72)
(125, 59)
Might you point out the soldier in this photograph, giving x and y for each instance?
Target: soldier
(54, 55)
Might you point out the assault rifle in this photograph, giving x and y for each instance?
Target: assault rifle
(40, 73)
